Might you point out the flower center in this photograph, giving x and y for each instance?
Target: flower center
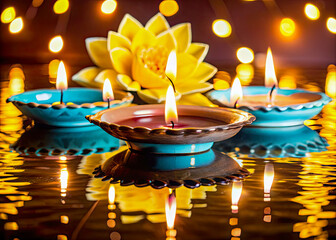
(155, 59)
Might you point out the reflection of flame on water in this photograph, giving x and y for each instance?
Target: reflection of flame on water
(268, 181)
(111, 195)
(170, 215)
(64, 175)
(237, 188)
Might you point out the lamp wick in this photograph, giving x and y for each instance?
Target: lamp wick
(171, 81)
(61, 96)
(236, 104)
(108, 102)
(173, 125)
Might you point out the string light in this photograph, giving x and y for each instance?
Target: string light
(287, 27)
(108, 6)
(221, 28)
(168, 7)
(311, 11)
(16, 25)
(56, 44)
(8, 15)
(331, 25)
(245, 55)
(61, 6)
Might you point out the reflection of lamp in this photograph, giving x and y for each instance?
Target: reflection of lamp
(111, 206)
(64, 175)
(268, 181)
(237, 188)
(170, 216)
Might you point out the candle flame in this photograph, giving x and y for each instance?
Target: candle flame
(268, 177)
(111, 194)
(236, 91)
(171, 210)
(170, 107)
(237, 188)
(61, 80)
(270, 77)
(107, 91)
(171, 66)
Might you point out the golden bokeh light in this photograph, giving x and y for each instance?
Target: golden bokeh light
(56, 44)
(331, 25)
(16, 80)
(61, 6)
(37, 3)
(287, 27)
(330, 86)
(53, 67)
(8, 15)
(245, 55)
(311, 11)
(108, 6)
(16, 25)
(221, 28)
(245, 73)
(168, 7)
(287, 82)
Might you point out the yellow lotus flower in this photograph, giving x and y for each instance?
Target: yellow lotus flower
(135, 57)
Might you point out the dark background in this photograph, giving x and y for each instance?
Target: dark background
(255, 24)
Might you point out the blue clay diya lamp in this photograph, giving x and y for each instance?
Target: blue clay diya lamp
(64, 107)
(295, 141)
(80, 141)
(271, 106)
(144, 128)
(141, 169)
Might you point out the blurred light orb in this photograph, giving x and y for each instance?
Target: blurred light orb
(221, 28)
(61, 6)
(287, 27)
(8, 15)
(287, 82)
(331, 25)
(245, 55)
(37, 3)
(312, 12)
(16, 25)
(245, 73)
(53, 68)
(168, 7)
(56, 44)
(108, 6)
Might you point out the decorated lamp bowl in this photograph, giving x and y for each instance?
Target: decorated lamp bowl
(144, 128)
(289, 114)
(43, 105)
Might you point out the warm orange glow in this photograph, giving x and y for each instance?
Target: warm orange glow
(16, 25)
(56, 44)
(221, 28)
(108, 6)
(61, 6)
(171, 66)
(268, 180)
(237, 188)
(236, 91)
(111, 194)
(107, 91)
(170, 107)
(37, 3)
(64, 219)
(8, 15)
(16, 80)
(331, 25)
(287, 27)
(168, 7)
(245, 73)
(61, 80)
(270, 77)
(64, 181)
(287, 82)
(245, 55)
(311, 11)
(53, 68)
(330, 86)
(171, 210)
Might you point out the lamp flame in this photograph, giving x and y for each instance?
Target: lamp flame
(107, 91)
(270, 77)
(171, 210)
(170, 107)
(268, 177)
(237, 188)
(236, 92)
(171, 66)
(61, 80)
